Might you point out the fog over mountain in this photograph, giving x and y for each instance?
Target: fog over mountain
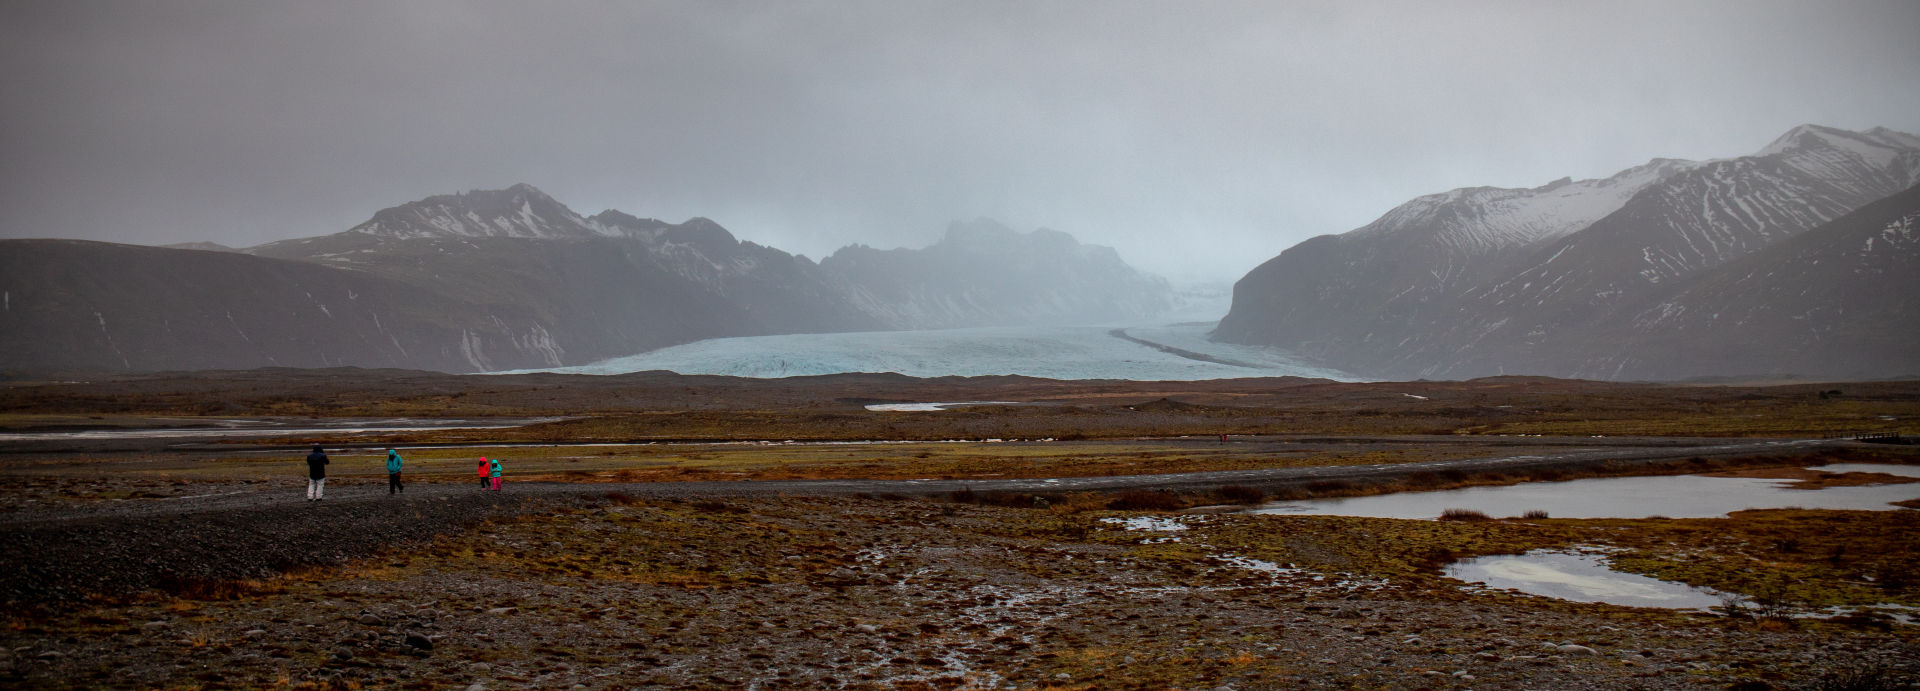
(1198, 140)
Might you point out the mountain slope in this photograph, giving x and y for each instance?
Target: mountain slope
(1841, 300)
(72, 304)
(613, 275)
(1398, 273)
(1413, 311)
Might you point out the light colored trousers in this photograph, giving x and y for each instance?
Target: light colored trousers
(316, 489)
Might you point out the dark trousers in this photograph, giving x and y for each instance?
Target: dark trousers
(393, 483)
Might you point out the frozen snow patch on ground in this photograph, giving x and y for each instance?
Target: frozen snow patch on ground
(1147, 523)
(929, 407)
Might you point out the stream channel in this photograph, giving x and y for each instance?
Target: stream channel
(1584, 576)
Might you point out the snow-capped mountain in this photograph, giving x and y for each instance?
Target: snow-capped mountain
(519, 211)
(1481, 281)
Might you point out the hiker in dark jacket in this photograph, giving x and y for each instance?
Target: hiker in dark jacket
(393, 472)
(316, 474)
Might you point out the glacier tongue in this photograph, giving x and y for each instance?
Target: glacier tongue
(1049, 352)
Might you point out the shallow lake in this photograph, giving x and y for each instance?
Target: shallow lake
(1683, 496)
(1580, 578)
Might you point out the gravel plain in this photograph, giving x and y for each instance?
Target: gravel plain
(599, 587)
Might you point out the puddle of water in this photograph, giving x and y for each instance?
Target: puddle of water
(1580, 578)
(928, 407)
(1685, 496)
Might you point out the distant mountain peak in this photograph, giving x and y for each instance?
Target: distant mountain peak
(1875, 145)
(520, 211)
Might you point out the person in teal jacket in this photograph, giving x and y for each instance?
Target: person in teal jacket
(493, 470)
(393, 472)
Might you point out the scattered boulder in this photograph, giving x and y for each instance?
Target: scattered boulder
(255, 633)
(1577, 651)
(370, 620)
(504, 610)
(418, 641)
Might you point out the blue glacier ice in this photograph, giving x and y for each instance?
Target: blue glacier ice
(1053, 352)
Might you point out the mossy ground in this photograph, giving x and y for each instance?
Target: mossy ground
(924, 594)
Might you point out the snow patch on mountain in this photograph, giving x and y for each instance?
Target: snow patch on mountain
(1478, 219)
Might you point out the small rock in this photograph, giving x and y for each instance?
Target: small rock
(154, 625)
(1329, 661)
(342, 653)
(1063, 676)
(477, 686)
(1464, 677)
(582, 687)
(1413, 641)
(1461, 673)
(479, 668)
(255, 633)
(1488, 657)
(867, 628)
(50, 655)
(504, 610)
(370, 620)
(1128, 660)
(845, 574)
(1577, 651)
(418, 641)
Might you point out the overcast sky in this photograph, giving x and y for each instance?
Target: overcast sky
(1200, 138)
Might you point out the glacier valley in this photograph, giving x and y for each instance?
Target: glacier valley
(1053, 352)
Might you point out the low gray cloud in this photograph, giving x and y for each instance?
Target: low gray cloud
(1198, 138)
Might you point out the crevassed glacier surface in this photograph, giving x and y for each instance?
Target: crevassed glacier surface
(1061, 352)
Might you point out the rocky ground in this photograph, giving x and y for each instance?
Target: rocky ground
(598, 590)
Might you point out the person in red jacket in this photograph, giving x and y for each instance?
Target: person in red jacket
(485, 470)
